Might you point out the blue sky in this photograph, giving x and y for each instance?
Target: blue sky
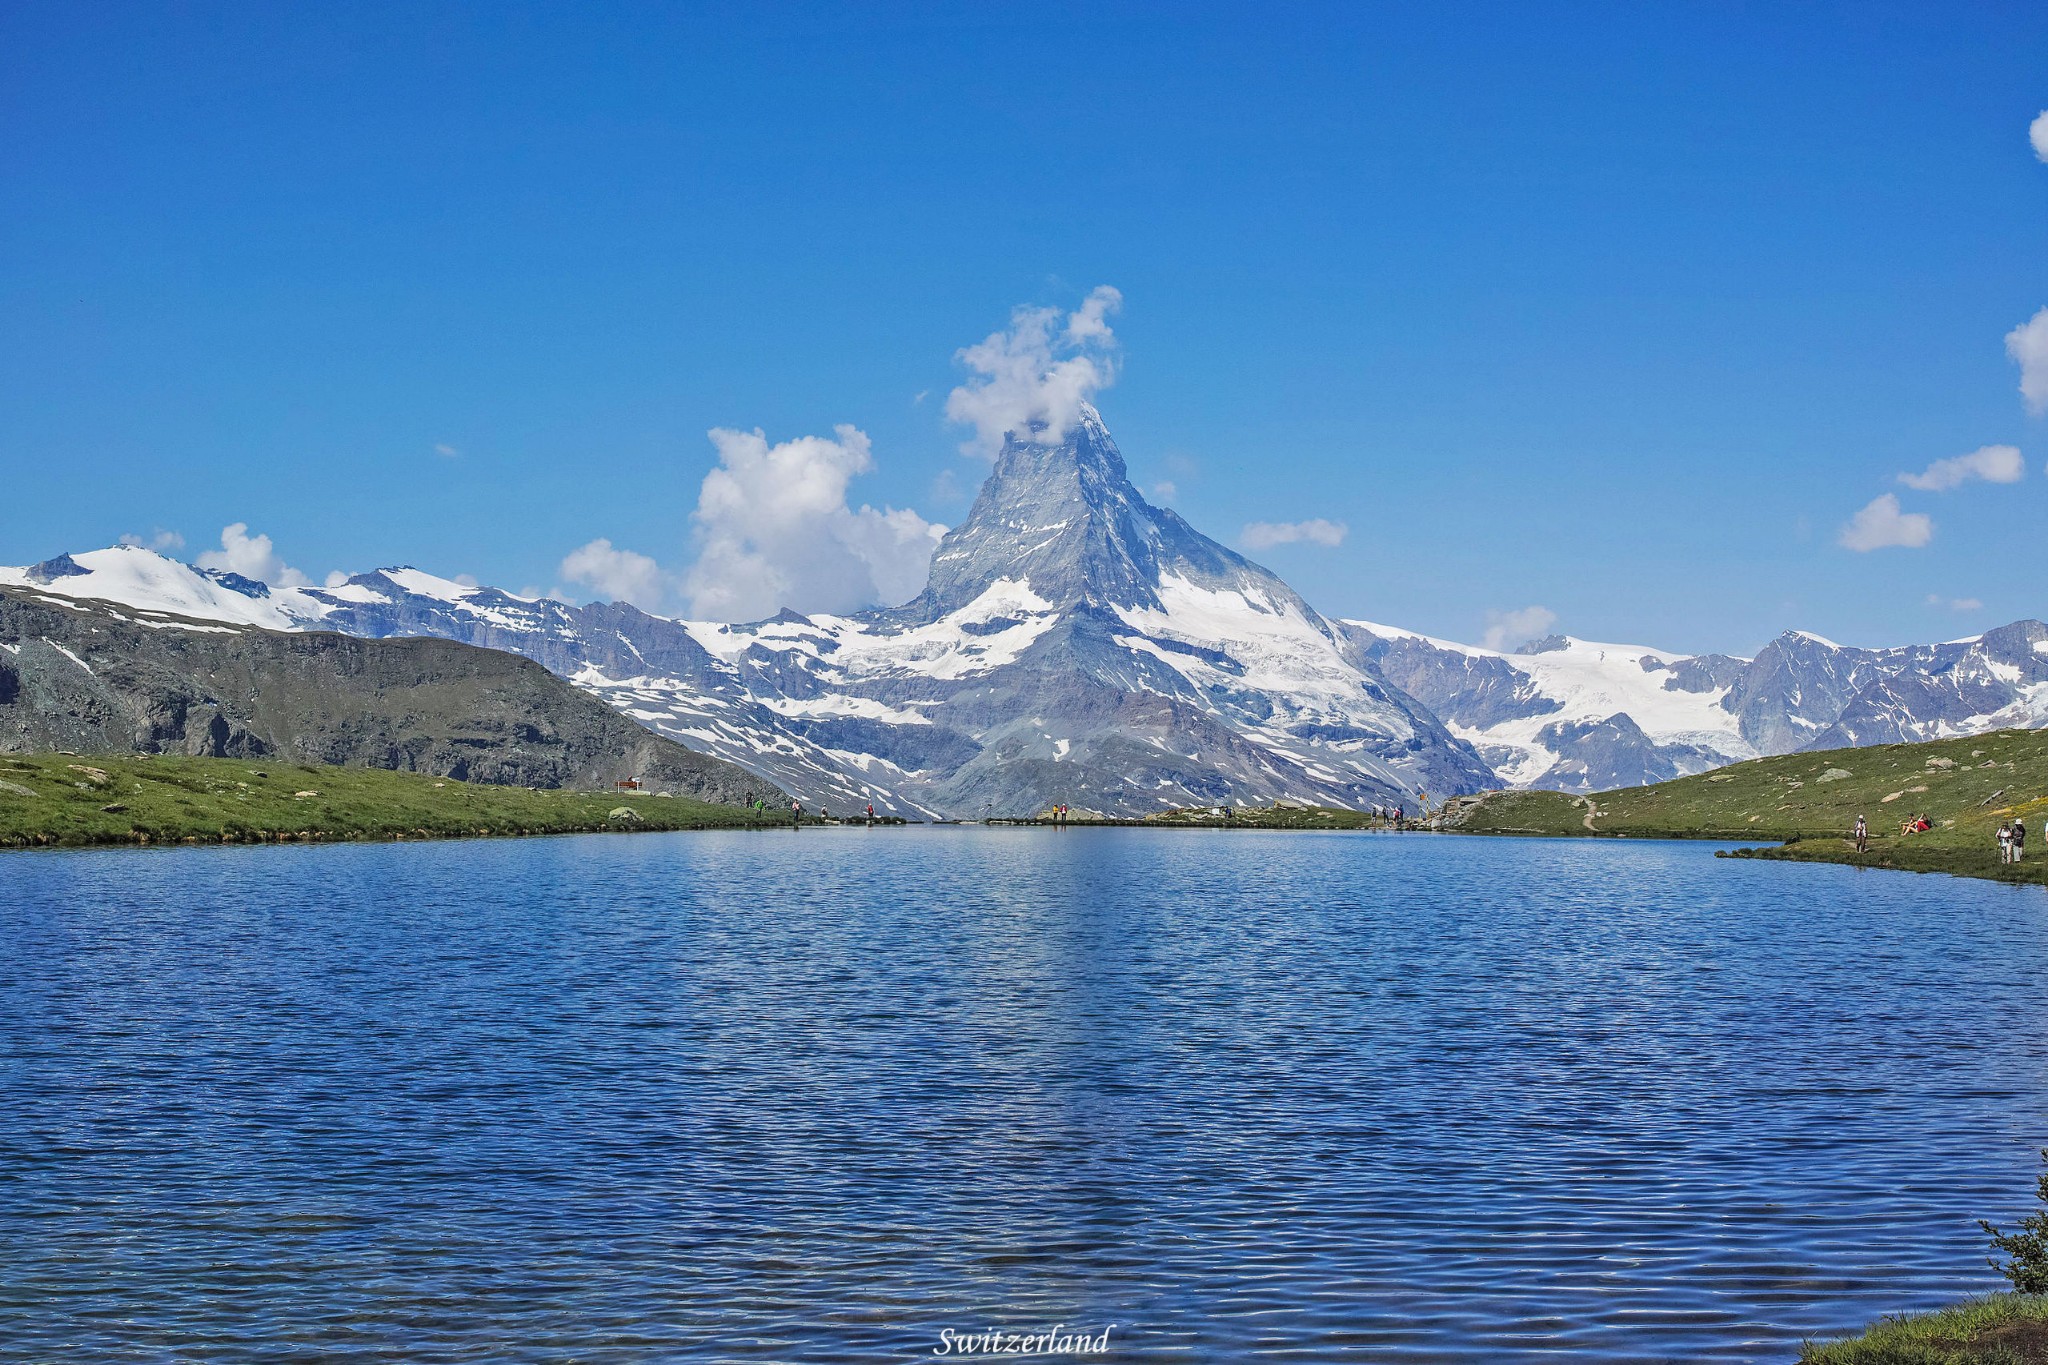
(1617, 312)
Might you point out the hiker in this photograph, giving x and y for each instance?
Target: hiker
(2019, 839)
(796, 814)
(1862, 835)
(2004, 842)
(871, 812)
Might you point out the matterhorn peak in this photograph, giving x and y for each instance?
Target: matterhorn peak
(1065, 518)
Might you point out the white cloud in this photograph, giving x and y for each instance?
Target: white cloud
(1264, 535)
(159, 540)
(1881, 525)
(620, 575)
(251, 557)
(1165, 490)
(1935, 599)
(447, 452)
(1033, 377)
(775, 531)
(2037, 133)
(1993, 464)
(2027, 344)
(1506, 629)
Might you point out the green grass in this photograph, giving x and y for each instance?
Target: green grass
(1808, 802)
(2004, 1329)
(66, 799)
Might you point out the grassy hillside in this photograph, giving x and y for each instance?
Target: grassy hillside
(59, 799)
(1810, 801)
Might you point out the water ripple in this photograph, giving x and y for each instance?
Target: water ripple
(818, 1096)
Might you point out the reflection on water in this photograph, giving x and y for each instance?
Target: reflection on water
(821, 1095)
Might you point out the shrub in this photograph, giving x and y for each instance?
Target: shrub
(2027, 1246)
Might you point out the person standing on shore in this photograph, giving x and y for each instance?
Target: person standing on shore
(1862, 835)
(2004, 843)
(796, 814)
(2019, 839)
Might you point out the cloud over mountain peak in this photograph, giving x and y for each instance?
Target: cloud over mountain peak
(1037, 375)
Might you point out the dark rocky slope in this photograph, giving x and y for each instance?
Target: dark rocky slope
(96, 677)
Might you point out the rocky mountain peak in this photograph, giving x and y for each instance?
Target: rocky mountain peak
(50, 570)
(1065, 517)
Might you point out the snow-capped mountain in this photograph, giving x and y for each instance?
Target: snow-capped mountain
(702, 702)
(1579, 716)
(1571, 714)
(1803, 692)
(1076, 644)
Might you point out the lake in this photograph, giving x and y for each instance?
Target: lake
(824, 1095)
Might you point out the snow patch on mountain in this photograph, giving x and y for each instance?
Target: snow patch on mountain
(1569, 713)
(143, 579)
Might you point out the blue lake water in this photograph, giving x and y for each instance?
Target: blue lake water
(823, 1095)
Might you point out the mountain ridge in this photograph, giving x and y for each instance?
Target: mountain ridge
(1545, 719)
(1076, 644)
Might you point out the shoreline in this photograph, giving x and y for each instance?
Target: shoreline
(1941, 859)
(1801, 807)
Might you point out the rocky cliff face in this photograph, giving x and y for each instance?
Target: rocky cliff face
(97, 677)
